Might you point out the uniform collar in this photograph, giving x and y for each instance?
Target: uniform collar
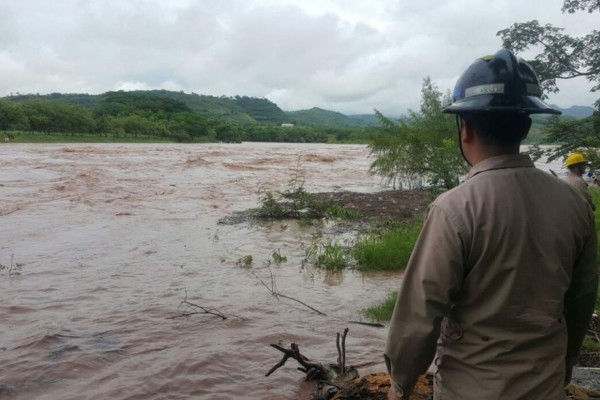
(500, 162)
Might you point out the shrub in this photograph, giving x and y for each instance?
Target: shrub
(382, 311)
(326, 254)
(390, 250)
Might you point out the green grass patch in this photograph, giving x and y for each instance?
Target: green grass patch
(382, 311)
(245, 261)
(595, 192)
(590, 344)
(293, 203)
(389, 250)
(337, 211)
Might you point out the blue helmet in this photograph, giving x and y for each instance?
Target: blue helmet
(498, 83)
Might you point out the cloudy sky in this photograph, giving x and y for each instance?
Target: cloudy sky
(345, 55)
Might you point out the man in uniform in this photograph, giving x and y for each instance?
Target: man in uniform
(576, 164)
(502, 282)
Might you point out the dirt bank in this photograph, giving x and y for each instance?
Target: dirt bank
(380, 207)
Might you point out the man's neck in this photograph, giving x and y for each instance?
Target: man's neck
(485, 152)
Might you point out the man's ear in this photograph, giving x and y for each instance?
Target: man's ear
(526, 128)
(467, 133)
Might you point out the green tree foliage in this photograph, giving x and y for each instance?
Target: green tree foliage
(168, 115)
(262, 110)
(574, 5)
(50, 116)
(581, 135)
(12, 117)
(120, 103)
(419, 147)
(228, 133)
(563, 57)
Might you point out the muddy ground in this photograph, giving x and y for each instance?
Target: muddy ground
(381, 207)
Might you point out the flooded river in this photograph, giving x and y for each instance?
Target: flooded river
(106, 240)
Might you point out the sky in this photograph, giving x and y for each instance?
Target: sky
(348, 56)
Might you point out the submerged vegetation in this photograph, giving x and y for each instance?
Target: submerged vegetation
(383, 246)
(382, 311)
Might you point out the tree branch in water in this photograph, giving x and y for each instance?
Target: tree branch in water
(197, 309)
(275, 292)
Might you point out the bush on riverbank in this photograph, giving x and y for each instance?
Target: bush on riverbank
(389, 250)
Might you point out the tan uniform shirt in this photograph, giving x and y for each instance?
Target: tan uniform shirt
(504, 266)
(580, 186)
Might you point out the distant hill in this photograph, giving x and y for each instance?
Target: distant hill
(244, 109)
(222, 108)
(261, 110)
(320, 117)
(578, 112)
(366, 119)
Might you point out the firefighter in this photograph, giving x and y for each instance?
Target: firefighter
(502, 282)
(576, 164)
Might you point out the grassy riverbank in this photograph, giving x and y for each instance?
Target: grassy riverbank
(383, 310)
(36, 137)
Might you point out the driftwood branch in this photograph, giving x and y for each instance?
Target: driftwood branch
(343, 366)
(339, 350)
(341, 360)
(330, 377)
(312, 370)
(373, 324)
(197, 309)
(275, 292)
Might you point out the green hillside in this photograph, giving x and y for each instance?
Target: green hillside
(210, 107)
(240, 110)
(261, 110)
(320, 117)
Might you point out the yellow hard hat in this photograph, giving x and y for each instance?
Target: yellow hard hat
(575, 158)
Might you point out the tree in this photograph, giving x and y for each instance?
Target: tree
(51, 116)
(11, 116)
(573, 5)
(563, 57)
(419, 147)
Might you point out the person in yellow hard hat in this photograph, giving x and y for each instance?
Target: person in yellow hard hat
(576, 164)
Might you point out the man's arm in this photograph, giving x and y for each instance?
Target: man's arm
(432, 279)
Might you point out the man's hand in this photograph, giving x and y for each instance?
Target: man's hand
(392, 395)
(568, 372)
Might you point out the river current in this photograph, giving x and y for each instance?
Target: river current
(100, 243)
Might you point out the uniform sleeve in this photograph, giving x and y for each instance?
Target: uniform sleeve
(588, 197)
(432, 279)
(580, 299)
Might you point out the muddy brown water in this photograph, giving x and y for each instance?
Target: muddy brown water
(108, 239)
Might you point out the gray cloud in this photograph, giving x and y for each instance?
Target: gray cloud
(347, 56)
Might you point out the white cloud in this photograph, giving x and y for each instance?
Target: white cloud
(129, 86)
(348, 56)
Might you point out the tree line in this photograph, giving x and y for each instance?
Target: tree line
(155, 114)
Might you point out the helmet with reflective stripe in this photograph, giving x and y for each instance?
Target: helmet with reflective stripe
(499, 83)
(575, 158)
